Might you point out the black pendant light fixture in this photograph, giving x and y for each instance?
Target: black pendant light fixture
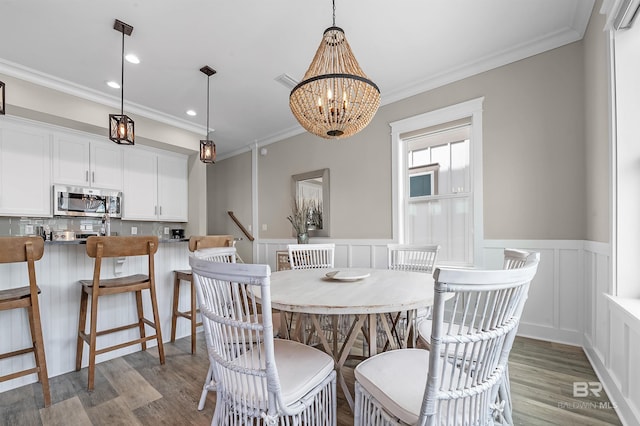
(335, 99)
(207, 147)
(2, 107)
(121, 127)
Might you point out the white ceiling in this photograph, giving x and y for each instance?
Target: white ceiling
(404, 46)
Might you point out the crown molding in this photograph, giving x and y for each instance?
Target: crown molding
(507, 56)
(45, 80)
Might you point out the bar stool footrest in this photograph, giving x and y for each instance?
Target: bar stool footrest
(34, 370)
(17, 352)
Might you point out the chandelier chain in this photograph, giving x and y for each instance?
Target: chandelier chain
(334, 13)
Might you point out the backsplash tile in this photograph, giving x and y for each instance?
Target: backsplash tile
(17, 226)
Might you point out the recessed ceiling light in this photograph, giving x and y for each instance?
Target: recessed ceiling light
(113, 84)
(191, 113)
(132, 58)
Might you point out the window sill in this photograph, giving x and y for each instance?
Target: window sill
(628, 307)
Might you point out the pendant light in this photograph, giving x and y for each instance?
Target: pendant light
(207, 147)
(335, 99)
(2, 108)
(121, 127)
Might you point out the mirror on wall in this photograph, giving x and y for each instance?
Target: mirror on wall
(313, 187)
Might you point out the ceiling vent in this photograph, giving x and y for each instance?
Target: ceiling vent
(287, 81)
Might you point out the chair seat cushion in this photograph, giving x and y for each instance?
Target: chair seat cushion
(300, 368)
(396, 379)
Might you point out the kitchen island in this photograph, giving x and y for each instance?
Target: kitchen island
(64, 263)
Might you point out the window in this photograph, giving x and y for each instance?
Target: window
(437, 161)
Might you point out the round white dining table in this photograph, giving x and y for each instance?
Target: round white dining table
(368, 296)
(380, 291)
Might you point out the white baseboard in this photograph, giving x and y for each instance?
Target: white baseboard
(623, 406)
(550, 334)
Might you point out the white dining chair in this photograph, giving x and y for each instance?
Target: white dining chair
(412, 257)
(221, 255)
(311, 256)
(456, 382)
(513, 259)
(259, 379)
(417, 258)
(316, 256)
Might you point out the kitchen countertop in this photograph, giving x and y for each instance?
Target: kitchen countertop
(84, 241)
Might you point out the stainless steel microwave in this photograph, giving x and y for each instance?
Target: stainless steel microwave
(91, 202)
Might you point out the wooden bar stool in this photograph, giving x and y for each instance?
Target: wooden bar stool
(26, 249)
(195, 243)
(105, 247)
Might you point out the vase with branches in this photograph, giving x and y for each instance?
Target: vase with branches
(299, 218)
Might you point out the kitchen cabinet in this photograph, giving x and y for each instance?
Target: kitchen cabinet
(25, 171)
(79, 161)
(155, 186)
(173, 188)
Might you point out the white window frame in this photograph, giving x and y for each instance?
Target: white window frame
(470, 109)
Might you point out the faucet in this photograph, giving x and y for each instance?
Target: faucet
(106, 225)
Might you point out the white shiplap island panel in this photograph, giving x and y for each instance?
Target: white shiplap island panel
(57, 274)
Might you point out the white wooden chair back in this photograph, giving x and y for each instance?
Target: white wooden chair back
(217, 254)
(240, 343)
(515, 258)
(474, 335)
(222, 254)
(310, 256)
(407, 257)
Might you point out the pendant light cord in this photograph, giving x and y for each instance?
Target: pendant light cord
(206, 136)
(122, 77)
(334, 13)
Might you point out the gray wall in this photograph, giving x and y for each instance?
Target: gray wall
(597, 152)
(534, 158)
(229, 189)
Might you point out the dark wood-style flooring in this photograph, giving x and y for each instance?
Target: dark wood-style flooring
(136, 390)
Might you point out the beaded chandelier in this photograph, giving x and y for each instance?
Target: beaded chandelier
(335, 99)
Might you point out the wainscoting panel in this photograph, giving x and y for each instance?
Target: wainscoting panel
(611, 333)
(570, 291)
(619, 370)
(554, 308)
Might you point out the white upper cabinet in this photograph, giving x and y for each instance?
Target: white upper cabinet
(106, 165)
(80, 161)
(155, 186)
(140, 194)
(25, 171)
(173, 188)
